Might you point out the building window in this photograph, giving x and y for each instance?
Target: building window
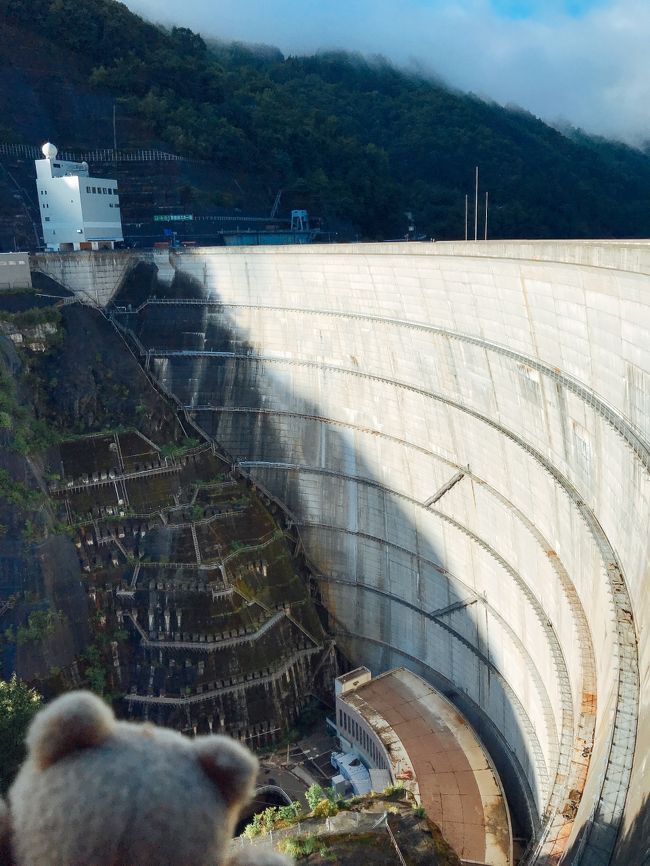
(95, 189)
(87, 189)
(47, 219)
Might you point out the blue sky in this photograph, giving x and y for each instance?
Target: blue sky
(518, 9)
(584, 62)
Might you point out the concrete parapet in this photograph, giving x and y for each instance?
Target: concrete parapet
(94, 277)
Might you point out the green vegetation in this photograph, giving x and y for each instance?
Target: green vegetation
(97, 658)
(173, 449)
(32, 317)
(394, 792)
(40, 625)
(325, 809)
(322, 803)
(18, 705)
(273, 818)
(22, 431)
(18, 494)
(358, 142)
(95, 673)
(316, 794)
(302, 846)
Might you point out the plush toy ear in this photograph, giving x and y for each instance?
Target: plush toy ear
(77, 720)
(229, 765)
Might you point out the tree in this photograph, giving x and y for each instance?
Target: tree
(314, 794)
(18, 705)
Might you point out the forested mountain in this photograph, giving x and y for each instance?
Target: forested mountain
(356, 141)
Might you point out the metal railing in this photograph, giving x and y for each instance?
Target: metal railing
(30, 151)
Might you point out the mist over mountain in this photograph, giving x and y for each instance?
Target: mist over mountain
(357, 141)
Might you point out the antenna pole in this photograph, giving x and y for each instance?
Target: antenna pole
(476, 207)
(466, 213)
(486, 214)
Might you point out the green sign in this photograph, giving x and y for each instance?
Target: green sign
(172, 217)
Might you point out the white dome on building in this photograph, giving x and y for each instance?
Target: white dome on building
(49, 150)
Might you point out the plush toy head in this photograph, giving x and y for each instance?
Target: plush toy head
(97, 792)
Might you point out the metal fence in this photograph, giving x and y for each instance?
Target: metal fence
(29, 151)
(343, 822)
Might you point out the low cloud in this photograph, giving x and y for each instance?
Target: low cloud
(590, 70)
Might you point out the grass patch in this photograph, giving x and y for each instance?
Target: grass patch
(302, 846)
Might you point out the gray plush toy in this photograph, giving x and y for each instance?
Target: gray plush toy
(97, 792)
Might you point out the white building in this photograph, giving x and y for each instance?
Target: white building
(78, 212)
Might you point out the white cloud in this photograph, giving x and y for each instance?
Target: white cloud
(592, 71)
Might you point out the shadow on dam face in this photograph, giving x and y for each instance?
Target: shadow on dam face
(471, 511)
(415, 613)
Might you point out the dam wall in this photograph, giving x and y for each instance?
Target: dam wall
(95, 277)
(460, 431)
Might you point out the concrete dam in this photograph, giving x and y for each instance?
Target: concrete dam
(460, 433)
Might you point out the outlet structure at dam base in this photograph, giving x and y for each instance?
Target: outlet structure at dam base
(460, 433)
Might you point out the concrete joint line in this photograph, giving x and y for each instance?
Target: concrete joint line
(624, 626)
(616, 419)
(585, 644)
(485, 660)
(566, 723)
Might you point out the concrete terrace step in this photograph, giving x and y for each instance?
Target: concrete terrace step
(224, 690)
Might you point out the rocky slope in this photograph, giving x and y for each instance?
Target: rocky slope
(134, 560)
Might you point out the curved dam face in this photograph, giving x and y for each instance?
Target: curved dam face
(461, 433)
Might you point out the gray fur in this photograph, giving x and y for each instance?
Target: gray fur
(76, 721)
(126, 795)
